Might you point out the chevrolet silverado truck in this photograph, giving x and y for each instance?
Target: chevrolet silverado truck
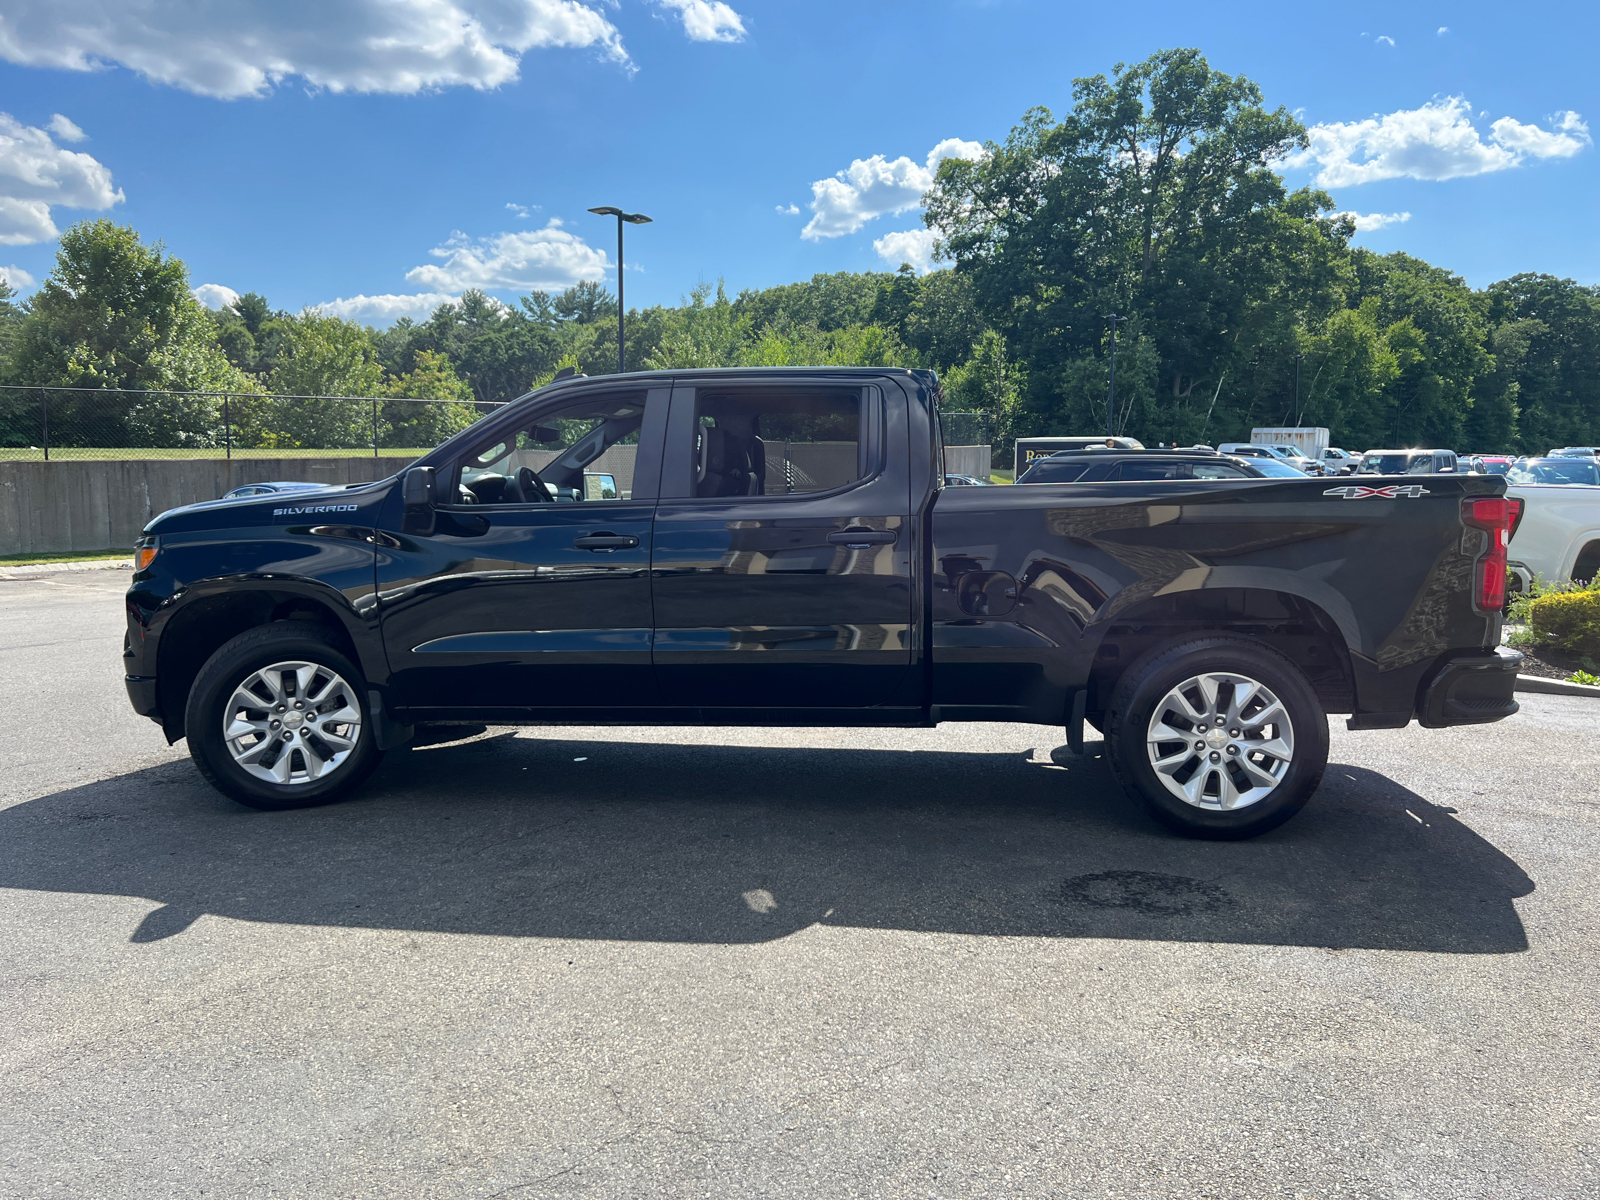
(776, 548)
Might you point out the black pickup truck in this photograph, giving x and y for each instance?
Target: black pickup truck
(774, 548)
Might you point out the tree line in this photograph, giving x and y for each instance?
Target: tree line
(1157, 197)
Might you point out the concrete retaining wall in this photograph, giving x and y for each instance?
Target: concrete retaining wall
(967, 460)
(52, 507)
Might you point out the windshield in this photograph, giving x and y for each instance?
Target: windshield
(1556, 471)
(1497, 468)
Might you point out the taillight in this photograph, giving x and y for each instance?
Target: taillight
(1518, 508)
(1493, 515)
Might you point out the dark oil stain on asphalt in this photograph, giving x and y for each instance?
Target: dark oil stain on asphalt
(1145, 892)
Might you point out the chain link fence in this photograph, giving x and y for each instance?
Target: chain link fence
(964, 428)
(52, 423)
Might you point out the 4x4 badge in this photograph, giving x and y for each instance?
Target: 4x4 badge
(1353, 492)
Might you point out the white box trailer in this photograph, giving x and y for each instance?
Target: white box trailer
(1029, 449)
(1310, 440)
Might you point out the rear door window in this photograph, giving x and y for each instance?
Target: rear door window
(776, 441)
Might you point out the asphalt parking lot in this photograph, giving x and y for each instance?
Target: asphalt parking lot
(738, 963)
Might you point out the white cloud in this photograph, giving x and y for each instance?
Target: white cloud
(707, 20)
(386, 309)
(874, 187)
(540, 259)
(1385, 39)
(522, 210)
(214, 295)
(1371, 222)
(789, 210)
(65, 129)
(1437, 141)
(1443, 29)
(914, 246)
(36, 174)
(16, 277)
(1570, 135)
(246, 47)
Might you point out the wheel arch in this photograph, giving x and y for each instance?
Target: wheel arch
(1303, 631)
(207, 618)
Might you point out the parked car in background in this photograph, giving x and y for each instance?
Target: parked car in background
(1408, 462)
(1556, 471)
(1273, 468)
(1120, 466)
(1029, 449)
(1292, 456)
(1555, 535)
(964, 481)
(1339, 462)
(269, 489)
(1279, 454)
(1574, 452)
(1495, 464)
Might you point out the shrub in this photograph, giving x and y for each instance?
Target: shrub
(1567, 621)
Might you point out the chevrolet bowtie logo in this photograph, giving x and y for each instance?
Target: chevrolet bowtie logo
(1354, 492)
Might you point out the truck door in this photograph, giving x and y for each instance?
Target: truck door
(532, 590)
(783, 547)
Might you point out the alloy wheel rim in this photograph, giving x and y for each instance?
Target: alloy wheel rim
(1220, 741)
(292, 723)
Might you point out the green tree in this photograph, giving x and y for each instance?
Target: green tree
(316, 356)
(410, 420)
(1550, 328)
(1153, 198)
(117, 313)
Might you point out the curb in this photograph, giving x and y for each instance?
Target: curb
(29, 570)
(1554, 687)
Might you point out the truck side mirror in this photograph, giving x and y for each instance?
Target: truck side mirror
(418, 487)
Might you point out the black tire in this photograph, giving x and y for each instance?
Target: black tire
(231, 666)
(1153, 677)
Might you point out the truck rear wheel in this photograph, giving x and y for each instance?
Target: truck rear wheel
(277, 718)
(1221, 737)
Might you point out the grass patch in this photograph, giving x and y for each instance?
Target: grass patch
(28, 560)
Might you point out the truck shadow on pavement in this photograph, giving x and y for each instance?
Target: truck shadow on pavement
(553, 837)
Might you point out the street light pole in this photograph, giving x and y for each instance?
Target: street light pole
(1297, 360)
(631, 219)
(1111, 391)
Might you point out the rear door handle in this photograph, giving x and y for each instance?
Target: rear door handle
(606, 541)
(860, 539)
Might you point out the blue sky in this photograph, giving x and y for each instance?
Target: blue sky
(347, 150)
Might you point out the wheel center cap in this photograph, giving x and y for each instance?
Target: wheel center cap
(292, 720)
(1216, 738)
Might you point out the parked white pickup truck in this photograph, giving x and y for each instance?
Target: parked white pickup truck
(1558, 536)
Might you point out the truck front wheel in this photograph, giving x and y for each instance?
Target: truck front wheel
(277, 718)
(1220, 736)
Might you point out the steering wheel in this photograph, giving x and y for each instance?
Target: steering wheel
(532, 487)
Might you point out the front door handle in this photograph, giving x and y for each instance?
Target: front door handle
(860, 539)
(606, 541)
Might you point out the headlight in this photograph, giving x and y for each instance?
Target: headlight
(144, 552)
